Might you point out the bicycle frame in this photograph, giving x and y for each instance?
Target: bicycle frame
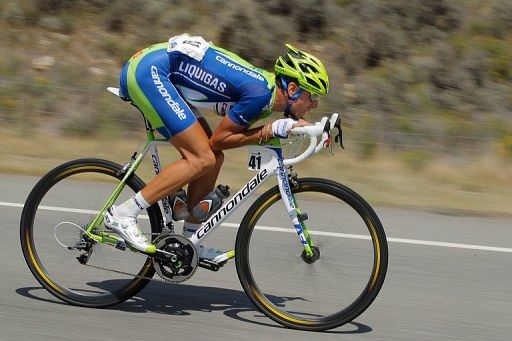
(271, 165)
(270, 154)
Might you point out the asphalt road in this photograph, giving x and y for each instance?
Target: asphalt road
(449, 278)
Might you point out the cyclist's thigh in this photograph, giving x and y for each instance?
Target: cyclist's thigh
(193, 143)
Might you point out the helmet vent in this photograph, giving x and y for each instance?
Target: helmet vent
(295, 54)
(310, 80)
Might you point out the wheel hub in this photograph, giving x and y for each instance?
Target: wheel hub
(313, 258)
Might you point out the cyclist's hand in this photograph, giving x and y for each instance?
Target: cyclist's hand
(301, 123)
(281, 128)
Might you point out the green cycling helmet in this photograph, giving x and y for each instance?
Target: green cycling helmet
(308, 70)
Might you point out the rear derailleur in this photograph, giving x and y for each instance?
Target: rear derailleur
(84, 244)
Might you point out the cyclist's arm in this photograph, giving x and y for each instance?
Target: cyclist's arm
(233, 130)
(229, 134)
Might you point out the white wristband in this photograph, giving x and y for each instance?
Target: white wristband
(281, 128)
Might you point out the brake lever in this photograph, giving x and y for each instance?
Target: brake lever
(339, 137)
(328, 141)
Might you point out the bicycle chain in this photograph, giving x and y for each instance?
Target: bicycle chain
(157, 279)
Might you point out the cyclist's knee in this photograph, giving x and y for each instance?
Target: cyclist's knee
(203, 162)
(209, 160)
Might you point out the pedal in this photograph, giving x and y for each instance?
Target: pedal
(121, 245)
(209, 265)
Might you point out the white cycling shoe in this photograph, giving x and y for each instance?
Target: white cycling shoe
(128, 229)
(214, 255)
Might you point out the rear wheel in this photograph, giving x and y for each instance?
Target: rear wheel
(57, 210)
(324, 290)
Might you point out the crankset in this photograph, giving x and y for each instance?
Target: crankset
(176, 257)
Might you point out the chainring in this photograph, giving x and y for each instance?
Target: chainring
(176, 259)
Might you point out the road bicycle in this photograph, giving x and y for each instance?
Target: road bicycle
(324, 277)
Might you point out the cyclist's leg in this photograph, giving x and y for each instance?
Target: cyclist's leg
(149, 88)
(197, 160)
(152, 91)
(200, 187)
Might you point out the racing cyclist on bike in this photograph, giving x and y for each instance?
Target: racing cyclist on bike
(169, 82)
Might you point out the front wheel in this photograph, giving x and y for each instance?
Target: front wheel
(327, 288)
(61, 205)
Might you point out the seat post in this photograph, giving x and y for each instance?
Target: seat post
(150, 132)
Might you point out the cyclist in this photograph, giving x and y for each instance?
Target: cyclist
(170, 81)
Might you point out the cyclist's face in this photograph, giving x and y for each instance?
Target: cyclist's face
(304, 103)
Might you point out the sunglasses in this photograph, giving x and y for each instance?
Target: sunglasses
(314, 97)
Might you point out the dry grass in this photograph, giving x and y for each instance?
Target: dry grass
(477, 187)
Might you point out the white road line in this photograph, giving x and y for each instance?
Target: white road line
(10, 204)
(391, 240)
(59, 209)
(318, 233)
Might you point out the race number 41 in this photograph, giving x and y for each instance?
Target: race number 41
(255, 161)
(259, 157)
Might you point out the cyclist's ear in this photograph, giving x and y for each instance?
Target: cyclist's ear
(292, 89)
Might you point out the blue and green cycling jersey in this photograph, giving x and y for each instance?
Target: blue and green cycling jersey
(166, 84)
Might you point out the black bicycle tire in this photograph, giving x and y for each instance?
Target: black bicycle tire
(30, 253)
(346, 314)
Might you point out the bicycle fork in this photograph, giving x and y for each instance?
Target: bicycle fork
(296, 216)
